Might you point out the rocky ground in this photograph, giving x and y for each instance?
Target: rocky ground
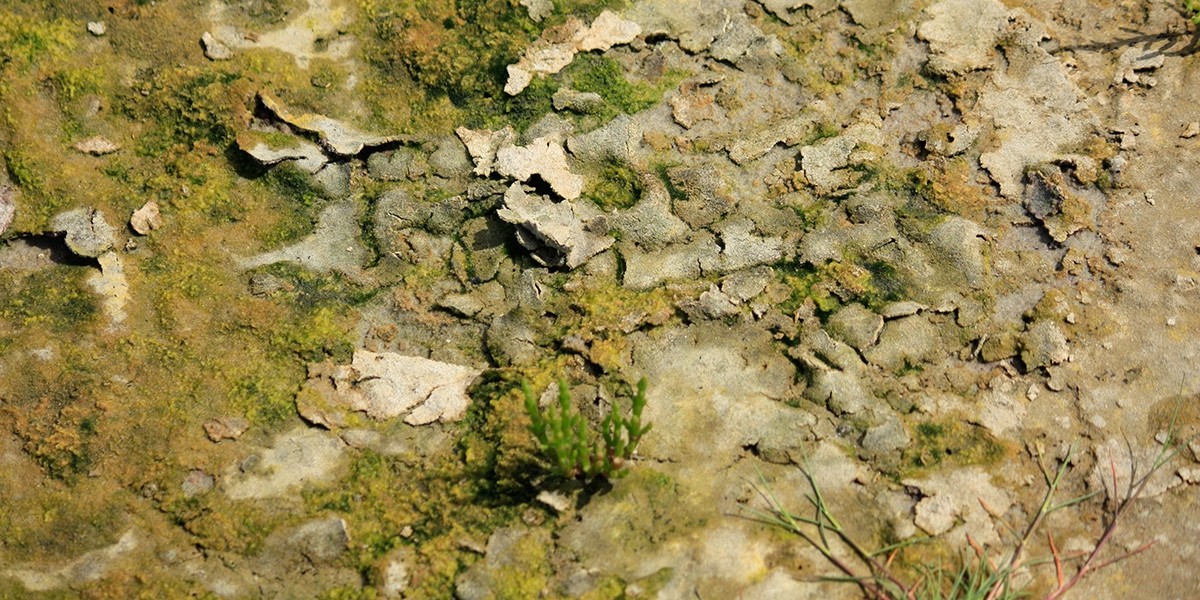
(273, 271)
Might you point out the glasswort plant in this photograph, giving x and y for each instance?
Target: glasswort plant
(566, 440)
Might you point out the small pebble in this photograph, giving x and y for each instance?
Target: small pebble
(97, 28)
(214, 49)
(1191, 131)
(96, 146)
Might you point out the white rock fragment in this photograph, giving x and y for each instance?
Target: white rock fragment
(86, 231)
(387, 385)
(1134, 59)
(824, 161)
(538, 9)
(334, 246)
(88, 567)
(558, 501)
(962, 34)
(97, 28)
(112, 287)
(482, 145)
(214, 49)
(961, 496)
(558, 45)
(537, 60)
(554, 232)
(335, 136)
(1191, 131)
(96, 146)
(8, 206)
(396, 569)
(307, 155)
(788, 132)
(296, 458)
(606, 31)
(146, 219)
(544, 159)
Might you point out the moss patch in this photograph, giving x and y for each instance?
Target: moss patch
(951, 443)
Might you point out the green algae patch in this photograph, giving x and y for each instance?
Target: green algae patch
(872, 283)
(432, 502)
(190, 104)
(56, 415)
(456, 49)
(602, 316)
(616, 186)
(950, 443)
(26, 41)
(57, 299)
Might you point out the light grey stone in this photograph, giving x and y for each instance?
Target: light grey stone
(841, 391)
(575, 101)
(391, 165)
(888, 437)
(482, 145)
(1043, 344)
(824, 161)
(962, 34)
(84, 569)
(954, 504)
(302, 456)
(543, 158)
(909, 340)
(450, 160)
(618, 139)
(960, 243)
(305, 155)
(96, 146)
(1000, 412)
(214, 49)
(874, 13)
(557, 235)
(334, 180)
(396, 569)
(320, 541)
(336, 137)
(644, 270)
(334, 246)
(511, 340)
(86, 231)
(743, 286)
(855, 325)
(650, 223)
(742, 248)
(706, 196)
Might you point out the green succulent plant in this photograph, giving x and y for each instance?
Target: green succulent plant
(567, 441)
(1192, 10)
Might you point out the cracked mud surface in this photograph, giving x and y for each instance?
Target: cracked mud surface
(271, 273)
